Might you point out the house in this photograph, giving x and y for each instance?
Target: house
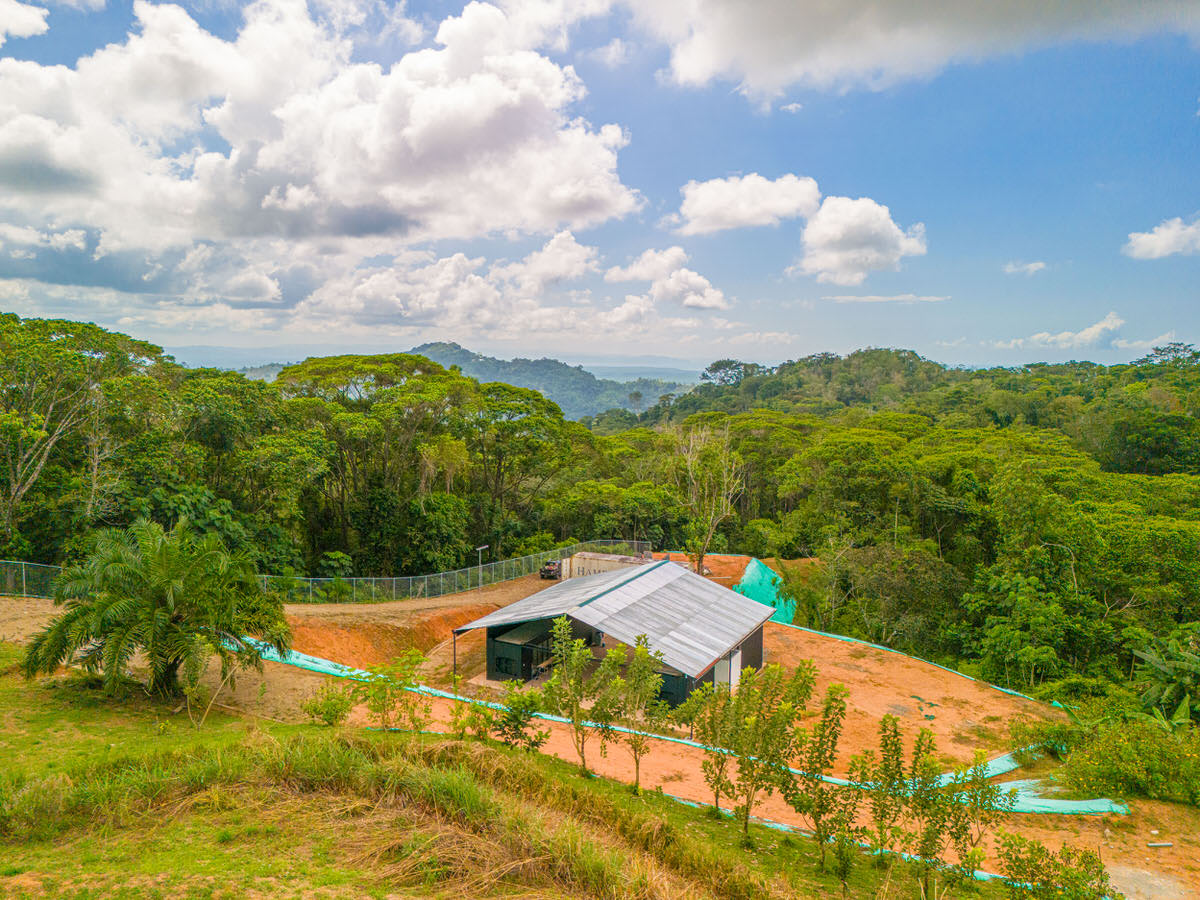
(705, 632)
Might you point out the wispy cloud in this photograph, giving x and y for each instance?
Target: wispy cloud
(1020, 268)
(882, 298)
(1164, 338)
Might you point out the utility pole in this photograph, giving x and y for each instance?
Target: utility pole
(479, 577)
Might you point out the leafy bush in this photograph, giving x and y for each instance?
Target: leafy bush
(513, 725)
(336, 591)
(390, 697)
(1108, 746)
(331, 704)
(1137, 759)
(335, 564)
(1035, 872)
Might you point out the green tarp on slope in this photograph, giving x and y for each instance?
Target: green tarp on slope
(761, 583)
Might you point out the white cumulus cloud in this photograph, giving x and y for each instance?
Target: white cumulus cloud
(1150, 344)
(670, 281)
(562, 259)
(744, 201)
(650, 266)
(469, 137)
(1166, 239)
(613, 54)
(766, 45)
(21, 20)
(847, 239)
(1067, 340)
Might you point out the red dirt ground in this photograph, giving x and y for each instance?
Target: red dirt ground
(963, 715)
(723, 568)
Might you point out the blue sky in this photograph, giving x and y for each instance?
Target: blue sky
(588, 178)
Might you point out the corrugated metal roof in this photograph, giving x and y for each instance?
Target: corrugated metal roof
(690, 620)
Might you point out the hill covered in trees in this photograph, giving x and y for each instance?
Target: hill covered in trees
(577, 391)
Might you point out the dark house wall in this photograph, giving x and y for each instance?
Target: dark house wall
(752, 650)
(503, 660)
(676, 688)
(506, 661)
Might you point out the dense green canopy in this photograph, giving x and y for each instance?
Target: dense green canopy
(1037, 524)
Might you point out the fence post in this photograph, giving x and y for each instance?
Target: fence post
(23, 591)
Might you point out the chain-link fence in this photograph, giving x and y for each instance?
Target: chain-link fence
(377, 590)
(23, 579)
(26, 579)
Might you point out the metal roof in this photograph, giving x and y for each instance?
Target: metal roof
(690, 620)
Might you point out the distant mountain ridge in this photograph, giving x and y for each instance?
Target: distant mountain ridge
(577, 391)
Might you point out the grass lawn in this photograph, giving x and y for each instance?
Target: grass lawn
(104, 797)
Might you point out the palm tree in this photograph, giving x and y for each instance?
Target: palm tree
(175, 596)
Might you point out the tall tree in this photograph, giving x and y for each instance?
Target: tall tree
(709, 473)
(51, 375)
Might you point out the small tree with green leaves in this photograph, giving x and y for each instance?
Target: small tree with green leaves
(587, 698)
(641, 707)
(459, 710)
(845, 802)
(709, 711)
(927, 807)
(1036, 873)
(330, 704)
(978, 806)
(480, 720)
(766, 706)
(809, 793)
(882, 781)
(514, 723)
(390, 696)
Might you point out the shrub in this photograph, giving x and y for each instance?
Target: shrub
(331, 704)
(390, 696)
(514, 723)
(1137, 759)
(1034, 872)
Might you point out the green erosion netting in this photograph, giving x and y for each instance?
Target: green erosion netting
(760, 583)
(1026, 802)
